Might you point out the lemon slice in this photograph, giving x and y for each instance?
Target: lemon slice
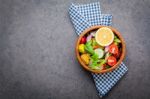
(104, 36)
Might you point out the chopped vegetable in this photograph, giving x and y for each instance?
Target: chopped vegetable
(93, 33)
(111, 60)
(94, 61)
(81, 48)
(102, 62)
(83, 40)
(106, 48)
(116, 43)
(85, 58)
(113, 49)
(107, 55)
(99, 52)
(89, 48)
(95, 47)
(94, 43)
(89, 37)
(98, 64)
(96, 67)
(116, 39)
(95, 56)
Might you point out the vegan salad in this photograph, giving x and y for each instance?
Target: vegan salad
(100, 49)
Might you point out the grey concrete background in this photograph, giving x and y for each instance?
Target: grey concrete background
(37, 59)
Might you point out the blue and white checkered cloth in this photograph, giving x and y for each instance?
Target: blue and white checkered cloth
(83, 17)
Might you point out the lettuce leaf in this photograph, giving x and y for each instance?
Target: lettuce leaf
(102, 62)
(94, 56)
(96, 63)
(89, 48)
(116, 40)
(94, 43)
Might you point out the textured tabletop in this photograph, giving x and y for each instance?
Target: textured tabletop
(37, 59)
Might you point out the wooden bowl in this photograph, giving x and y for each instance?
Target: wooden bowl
(121, 56)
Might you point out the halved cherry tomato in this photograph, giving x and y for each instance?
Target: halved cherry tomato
(113, 49)
(111, 60)
(83, 40)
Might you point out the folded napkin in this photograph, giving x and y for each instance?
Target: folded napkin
(83, 17)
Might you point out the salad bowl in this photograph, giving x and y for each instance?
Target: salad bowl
(102, 70)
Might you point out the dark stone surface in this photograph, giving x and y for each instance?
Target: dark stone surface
(37, 59)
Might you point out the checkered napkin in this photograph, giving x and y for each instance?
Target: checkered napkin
(83, 17)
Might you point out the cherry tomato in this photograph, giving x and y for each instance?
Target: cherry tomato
(111, 60)
(113, 49)
(83, 40)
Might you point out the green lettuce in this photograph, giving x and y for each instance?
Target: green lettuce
(89, 48)
(116, 40)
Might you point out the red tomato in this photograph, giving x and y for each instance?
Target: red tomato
(83, 40)
(111, 60)
(113, 49)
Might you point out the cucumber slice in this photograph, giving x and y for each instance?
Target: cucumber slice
(99, 52)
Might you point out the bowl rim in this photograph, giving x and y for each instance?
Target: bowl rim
(115, 31)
